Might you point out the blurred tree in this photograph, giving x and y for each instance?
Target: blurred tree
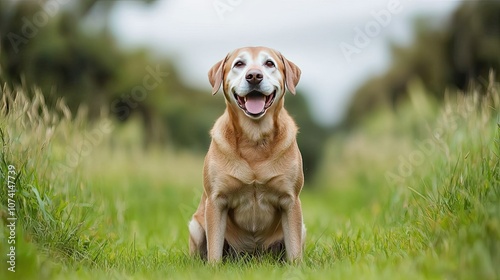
(44, 43)
(465, 50)
(474, 41)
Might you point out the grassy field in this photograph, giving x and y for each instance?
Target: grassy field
(411, 194)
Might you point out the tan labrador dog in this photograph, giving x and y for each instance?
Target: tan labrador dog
(252, 175)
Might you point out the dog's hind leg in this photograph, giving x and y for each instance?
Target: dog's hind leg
(197, 239)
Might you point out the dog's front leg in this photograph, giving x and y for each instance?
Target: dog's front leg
(292, 228)
(215, 219)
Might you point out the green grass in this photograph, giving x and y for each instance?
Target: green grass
(412, 194)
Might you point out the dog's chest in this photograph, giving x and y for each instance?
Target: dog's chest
(253, 207)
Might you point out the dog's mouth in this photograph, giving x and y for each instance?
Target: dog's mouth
(255, 104)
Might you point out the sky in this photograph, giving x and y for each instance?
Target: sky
(337, 44)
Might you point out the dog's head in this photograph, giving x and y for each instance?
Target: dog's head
(254, 79)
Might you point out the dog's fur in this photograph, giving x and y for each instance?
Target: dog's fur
(253, 174)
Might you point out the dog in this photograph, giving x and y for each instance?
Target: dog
(252, 174)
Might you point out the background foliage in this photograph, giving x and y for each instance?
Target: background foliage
(450, 55)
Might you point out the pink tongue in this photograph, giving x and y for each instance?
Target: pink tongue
(255, 104)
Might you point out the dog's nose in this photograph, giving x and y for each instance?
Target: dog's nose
(254, 76)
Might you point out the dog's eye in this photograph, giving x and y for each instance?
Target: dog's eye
(239, 64)
(269, 63)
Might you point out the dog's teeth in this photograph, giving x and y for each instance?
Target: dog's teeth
(245, 99)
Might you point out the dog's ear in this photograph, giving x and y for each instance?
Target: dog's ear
(292, 74)
(216, 74)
